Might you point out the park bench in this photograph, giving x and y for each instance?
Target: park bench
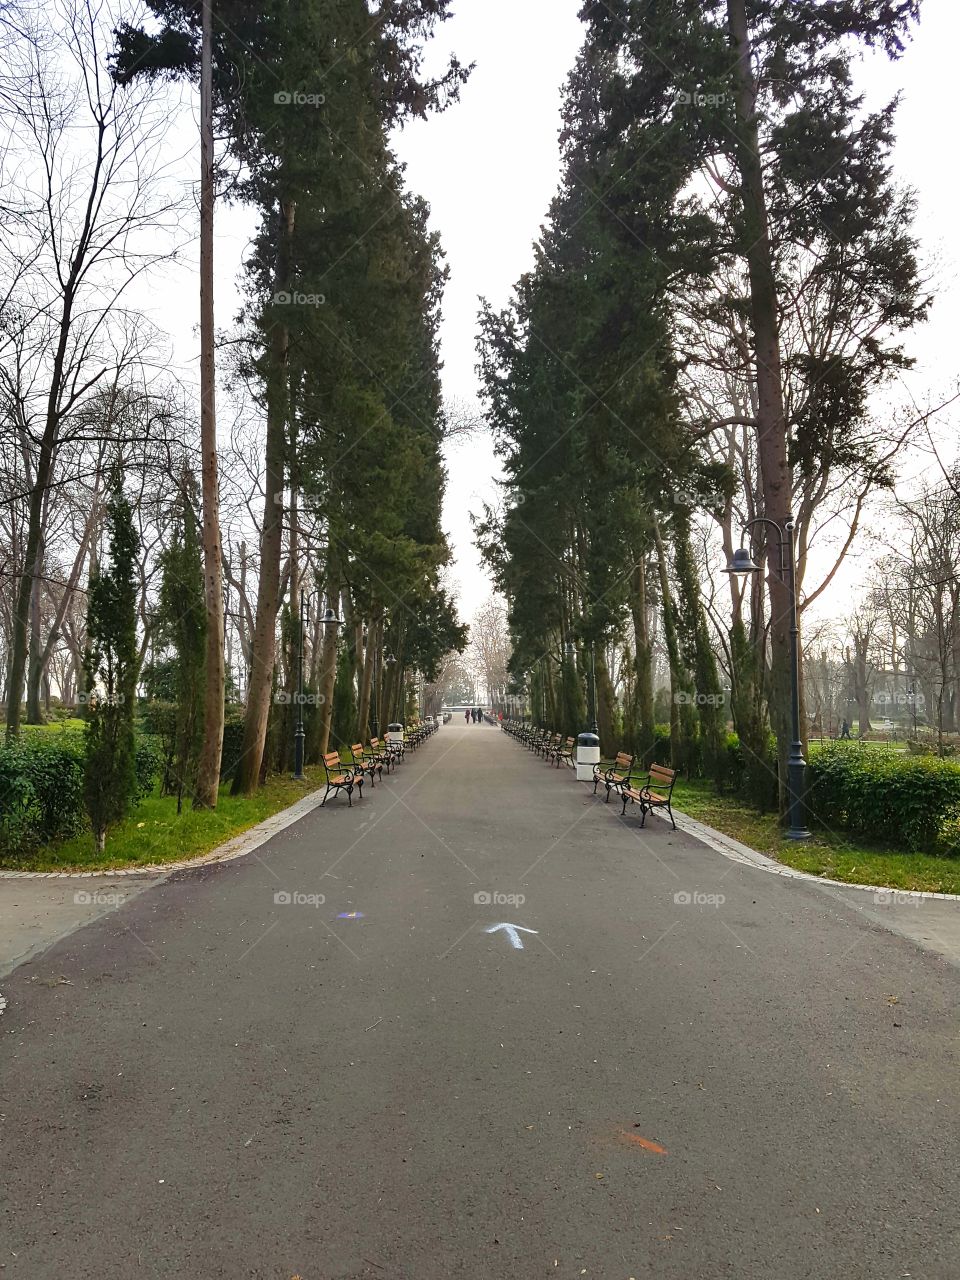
(647, 798)
(365, 764)
(340, 778)
(378, 751)
(548, 745)
(418, 733)
(562, 751)
(615, 775)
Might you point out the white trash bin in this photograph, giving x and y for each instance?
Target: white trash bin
(588, 755)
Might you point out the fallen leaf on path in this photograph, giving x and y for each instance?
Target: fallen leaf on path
(645, 1143)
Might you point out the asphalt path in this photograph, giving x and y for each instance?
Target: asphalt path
(686, 1068)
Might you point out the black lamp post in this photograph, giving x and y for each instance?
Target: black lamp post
(743, 563)
(593, 688)
(329, 619)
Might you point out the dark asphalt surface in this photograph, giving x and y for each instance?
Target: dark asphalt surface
(211, 1083)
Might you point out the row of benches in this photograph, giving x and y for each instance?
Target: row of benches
(350, 775)
(649, 786)
(553, 747)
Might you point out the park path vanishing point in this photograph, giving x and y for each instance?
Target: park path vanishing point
(326, 1060)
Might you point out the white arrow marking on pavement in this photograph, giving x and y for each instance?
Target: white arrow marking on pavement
(513, 933)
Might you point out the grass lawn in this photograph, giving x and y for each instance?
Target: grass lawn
(55, 726)
(828, 854)
(154, 833)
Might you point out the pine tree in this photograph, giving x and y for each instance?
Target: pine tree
(111, 670)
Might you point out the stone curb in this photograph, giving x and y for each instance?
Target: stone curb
(235, 847)
(746, 856)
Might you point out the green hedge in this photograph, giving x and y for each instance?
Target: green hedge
(753, 779)
(232, 743)
(41, 787)
(911, 802)
(661, 745)
(160, 720)
(41, 791)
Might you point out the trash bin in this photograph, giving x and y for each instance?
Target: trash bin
(395, 734)
(588, 754)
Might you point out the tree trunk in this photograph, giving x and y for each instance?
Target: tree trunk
(606, 707)
(366, 684)
(644, 727)
(211, 747)
(771, 421)
(257, 716)
(35, 664)
(31, 562)
(328, 661)
(681, 699)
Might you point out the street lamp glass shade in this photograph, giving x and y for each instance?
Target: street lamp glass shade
(330, 619)
(742, 562)
(390, 660)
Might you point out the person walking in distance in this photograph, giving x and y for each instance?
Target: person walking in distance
(467, 714)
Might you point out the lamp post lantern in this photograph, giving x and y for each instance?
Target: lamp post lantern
(741, 564)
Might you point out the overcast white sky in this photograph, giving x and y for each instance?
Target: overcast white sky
(489, 167)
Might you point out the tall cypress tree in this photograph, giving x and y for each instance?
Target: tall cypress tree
(304, 95)
(183, 626)
(111, 669)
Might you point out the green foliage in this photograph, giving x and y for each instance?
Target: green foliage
(42, 788)
(625, 345)
(182, 626)
(910, 802)
(41, 791)
(232, 743)
(343, 298)
(159, 719)
(148, 761)
(110, 781)
(344, 719)
(661, 753)
(158, 679)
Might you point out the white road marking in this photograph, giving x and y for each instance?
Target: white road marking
(512, 931)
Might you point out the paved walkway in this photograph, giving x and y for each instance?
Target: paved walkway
(686, 1068)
